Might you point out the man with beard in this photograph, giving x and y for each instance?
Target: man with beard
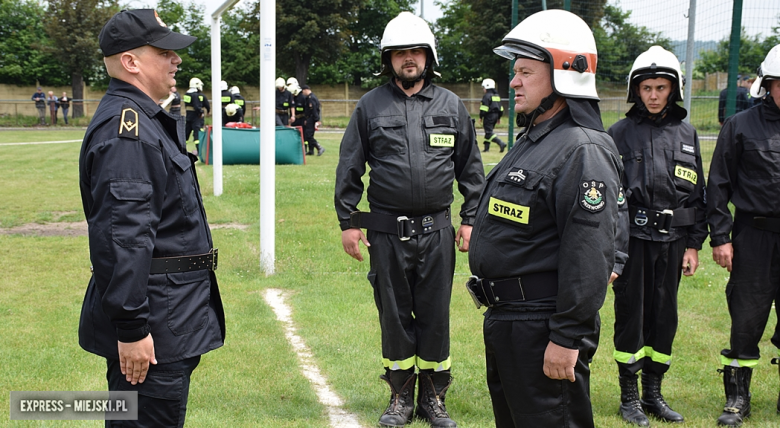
(417, 138)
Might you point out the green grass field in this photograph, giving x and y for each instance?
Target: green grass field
(254, 380)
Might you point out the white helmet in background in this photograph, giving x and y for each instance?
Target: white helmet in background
(196, 83)
(407, 31)
(231, 109)
(489, 84)
(563, 40)
(223, 86)
(234, 90)
(280, 82)
(291, 81)
(653, 63)
(768, 70)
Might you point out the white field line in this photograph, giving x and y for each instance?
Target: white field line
(40, 142)
(339, 418)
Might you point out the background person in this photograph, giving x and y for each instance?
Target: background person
(744, 171)
(544, 233)
(664, 192)
(299, 102)
(490, 112)
(40, 104)
(240, 101)
(65, 106)
(197, 106)
(311, 120)
(284, 104)
(54, 104)
(741, 103)
(226, 98)
(152, 306)
(417, 138)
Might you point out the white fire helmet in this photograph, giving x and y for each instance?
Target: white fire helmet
(196, 83)
(563, 40)
(769, 70)
(407, 31)
(231, 109)
(234, 90)
(489, 84)
(223, 86)
(280, 82)
(291, 81)
(653, 63)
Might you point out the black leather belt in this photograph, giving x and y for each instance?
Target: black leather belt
(405, 227)
(770, 224)
(662, 220)
(535, 286)
(206, 261)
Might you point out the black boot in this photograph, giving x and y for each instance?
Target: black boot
(501, 144)
(652, 400)
(430, 398)
(487, 146)
(777, 361)
(736, 382)
(630, 408)
(320, 149)
(399, 410)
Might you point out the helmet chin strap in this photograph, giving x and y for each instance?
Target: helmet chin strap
(525, 120)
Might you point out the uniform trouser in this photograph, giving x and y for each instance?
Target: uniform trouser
(282, 119)
(488, 123)
(194, 123)
(162, 397)
(308, 136)
(646, 306)
(754, 284)
(522, 395)
(412, 282)
(42, 115)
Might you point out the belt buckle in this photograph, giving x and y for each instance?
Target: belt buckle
(215, 255)
(400, 227)
(472, 282)
(667, 221)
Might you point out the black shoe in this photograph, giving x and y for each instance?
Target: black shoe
(430, 399)
(630, 407)
(320, 150)
(501, 146)
(401, 406)
(736, 383)
(653, 402)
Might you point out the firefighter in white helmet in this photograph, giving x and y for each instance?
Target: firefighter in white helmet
(490, 112)
(664, 193)
(543, 243)
(226, 97)
(197, 106)
(745, 171)
(299, 101)
(284, 103)
(417, 138)
(240, 101)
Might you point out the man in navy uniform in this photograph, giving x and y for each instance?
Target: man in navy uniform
(152, 306)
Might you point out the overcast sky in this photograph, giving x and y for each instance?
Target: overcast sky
(713, 17)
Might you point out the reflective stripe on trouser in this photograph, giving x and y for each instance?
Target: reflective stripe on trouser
(646, 306)
(488, 123)
(753, 286)
(412, 282)
(522, 395)
(410, 362)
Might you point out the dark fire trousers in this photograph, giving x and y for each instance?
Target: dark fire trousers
(488, 123)
(646, 306)
(162, 397)
(412, 283)
(522, 395)
(754, 284)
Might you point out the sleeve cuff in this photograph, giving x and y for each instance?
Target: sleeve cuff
(134, 335)
(564, 341)
(718, 240)
(618, 268)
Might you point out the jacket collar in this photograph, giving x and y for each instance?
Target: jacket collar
(540, 130)
(122, 89)
(426, 91)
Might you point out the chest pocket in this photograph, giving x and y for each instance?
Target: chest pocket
(440, 134)
(514, 199)
(683, 171)
(634, 166)
(386, 136)
(186, 183)
(761, 158)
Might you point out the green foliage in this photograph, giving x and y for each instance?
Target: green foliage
(620, 42)
(195, 59)
(752, 50)
(24, 59)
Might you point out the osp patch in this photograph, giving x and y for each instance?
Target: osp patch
(592, 197)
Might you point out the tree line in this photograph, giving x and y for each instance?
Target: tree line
(318, 41)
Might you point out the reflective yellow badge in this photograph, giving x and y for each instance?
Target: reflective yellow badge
(128, 124)
(509, 211)
(442, 140)
(686, 174)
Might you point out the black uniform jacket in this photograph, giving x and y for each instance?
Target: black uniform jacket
(311, 109)
(491, 103)
(550, 205)
(142, 200)
(416, 146)
(284, 100)
(663, 170)
(197, 100)
(745, 169)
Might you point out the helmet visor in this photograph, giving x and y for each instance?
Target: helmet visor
(512, 49)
